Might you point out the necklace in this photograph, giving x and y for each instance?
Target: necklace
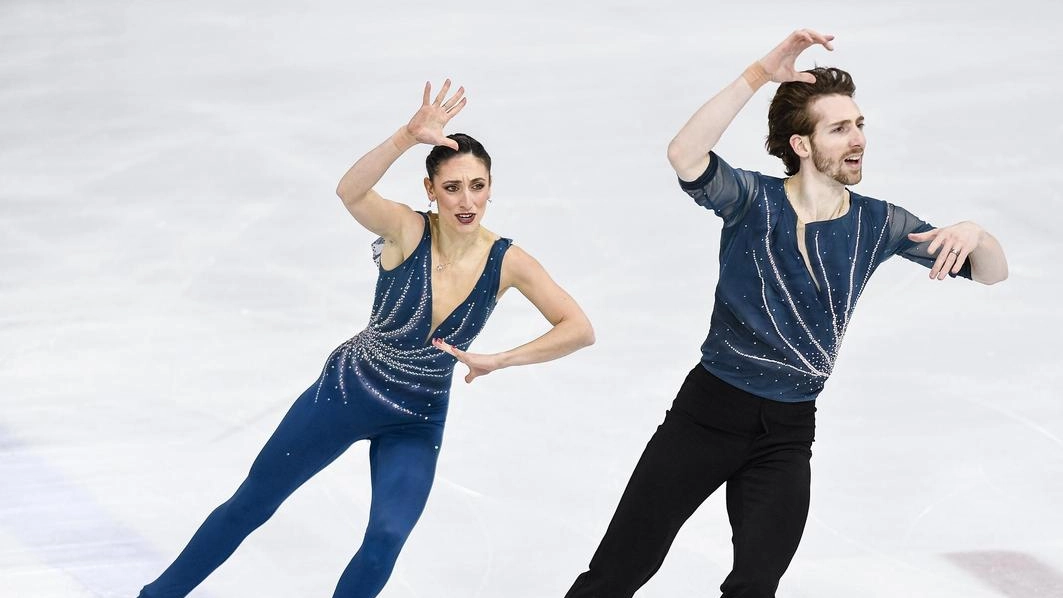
(435, 232)
(445, 262)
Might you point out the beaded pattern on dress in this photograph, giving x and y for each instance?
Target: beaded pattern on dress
(391, 359)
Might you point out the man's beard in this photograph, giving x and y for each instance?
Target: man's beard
(835, 168)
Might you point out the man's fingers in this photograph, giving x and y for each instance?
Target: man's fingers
(950, 260)
(943, 264)
(939, 263)
(960, 260)
(935, 245)
(823, 39)
(925, 235)
(951, 253)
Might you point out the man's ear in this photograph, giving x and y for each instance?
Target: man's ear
(802, 145)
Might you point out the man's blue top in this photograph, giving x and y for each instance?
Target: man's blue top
(775, 331)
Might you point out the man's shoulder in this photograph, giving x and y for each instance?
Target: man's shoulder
(875, 212)
(721, 163)
(857, 200)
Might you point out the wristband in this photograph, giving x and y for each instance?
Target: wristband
(756, 76)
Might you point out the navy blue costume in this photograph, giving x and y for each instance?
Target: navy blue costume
(387, 385)
(776, 329)
(745, 415)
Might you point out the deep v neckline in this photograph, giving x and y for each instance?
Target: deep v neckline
(431, 291)
(802, 238)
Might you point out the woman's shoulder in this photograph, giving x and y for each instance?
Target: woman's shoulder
(515, 260)
(490, 238)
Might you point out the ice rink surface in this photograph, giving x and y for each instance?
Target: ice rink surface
(175, 267)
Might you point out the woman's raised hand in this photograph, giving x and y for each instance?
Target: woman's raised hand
(427, 124)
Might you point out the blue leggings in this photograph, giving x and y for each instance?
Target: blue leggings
(402, 456)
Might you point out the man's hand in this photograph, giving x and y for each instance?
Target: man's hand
(779, 63)
(952, 244)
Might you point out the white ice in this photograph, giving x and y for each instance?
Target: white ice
(174, 268)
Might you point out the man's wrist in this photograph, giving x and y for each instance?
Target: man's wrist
(756, 75)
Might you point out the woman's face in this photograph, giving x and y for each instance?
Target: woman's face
(461, 188)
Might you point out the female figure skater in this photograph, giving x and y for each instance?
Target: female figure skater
(439, 278)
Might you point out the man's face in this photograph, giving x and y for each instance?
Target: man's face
(838, 140)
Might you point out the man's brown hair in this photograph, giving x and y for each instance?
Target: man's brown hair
(789, 112)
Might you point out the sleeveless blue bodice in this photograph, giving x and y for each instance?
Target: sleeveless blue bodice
(393, 360)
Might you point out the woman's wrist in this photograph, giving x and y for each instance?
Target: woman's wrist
(403, 139)
(505, 359)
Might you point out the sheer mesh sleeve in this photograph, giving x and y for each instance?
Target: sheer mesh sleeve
(901, 224)
(727, 191)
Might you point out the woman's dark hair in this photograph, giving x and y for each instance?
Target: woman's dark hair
(466, 145)
(789, 112)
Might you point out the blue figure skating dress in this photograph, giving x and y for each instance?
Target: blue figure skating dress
(388, 385)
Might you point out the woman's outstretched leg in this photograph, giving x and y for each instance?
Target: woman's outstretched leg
(307, 440)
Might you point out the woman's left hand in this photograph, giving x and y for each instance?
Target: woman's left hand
(952, 244)
(479, 364)
(426, 126)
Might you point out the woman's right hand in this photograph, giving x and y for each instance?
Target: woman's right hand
(427, 124)
(779, 63)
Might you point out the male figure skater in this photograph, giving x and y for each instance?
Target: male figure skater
(795, 255)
